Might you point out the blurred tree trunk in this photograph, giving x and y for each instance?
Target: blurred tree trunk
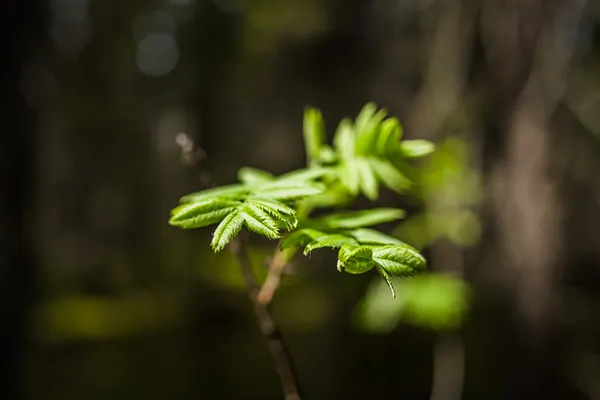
(23, 28)
(527, 48)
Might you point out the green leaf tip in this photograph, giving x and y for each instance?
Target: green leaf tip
(314, 133)
(416, 148)
(355, 219)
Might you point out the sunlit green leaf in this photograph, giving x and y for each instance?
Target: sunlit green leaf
(416, 148)
(333, 240)
(389, 136)
(305, 174)
(314, 132)
(259, 221)
(367, 134)
(227, 230)
(201, 214)
(253, 176)
(229, 191)
(344, 139)
(279, 211)
(371, 236)
(389, 175)
(368, 182)
(399, 260)
(356, 219)
(349, 174)
(288, 192)
(363, 117)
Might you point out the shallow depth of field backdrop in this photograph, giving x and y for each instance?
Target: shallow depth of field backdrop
(114, 109)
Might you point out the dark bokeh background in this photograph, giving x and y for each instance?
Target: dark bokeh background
(114, 109)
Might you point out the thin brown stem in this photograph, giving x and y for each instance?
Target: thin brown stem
(279, 261)
(281, 358)
(277, 266)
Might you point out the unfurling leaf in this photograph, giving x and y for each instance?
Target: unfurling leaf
(355, 259)
(399, 260)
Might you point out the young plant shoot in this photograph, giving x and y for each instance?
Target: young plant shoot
(367, 153)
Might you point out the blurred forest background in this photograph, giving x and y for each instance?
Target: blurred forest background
(114, 109)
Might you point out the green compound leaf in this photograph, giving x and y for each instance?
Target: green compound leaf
(416, 148)
(400, 260)
(259, 203)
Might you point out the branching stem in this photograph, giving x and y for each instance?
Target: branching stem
(277, 266)
(279, 261)
(267, 325)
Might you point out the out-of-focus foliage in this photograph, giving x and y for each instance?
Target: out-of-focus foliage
(435, 301)
(450, 187)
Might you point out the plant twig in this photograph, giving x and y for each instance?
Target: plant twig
(277, 265)
(279, 261)
(281, 358)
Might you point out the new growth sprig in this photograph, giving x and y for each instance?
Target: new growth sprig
(365, 155)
